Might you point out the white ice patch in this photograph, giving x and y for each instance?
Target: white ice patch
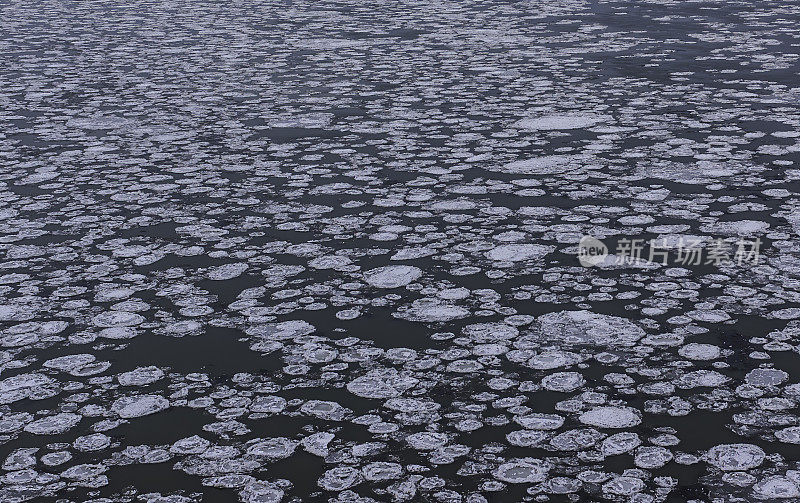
(585, 327)
(381, 384)
(611, 417)
(53, 425)
(226, 272)
(623, 486)
(620, 443)
(140, 376)
(259, 491)
(563, 382)
(431, 310)
(117, 319)
(340, 478)
(138, 406)
(735, 457)
(540, 421)
(698, 351)
(392, 276)
(272, 448)
(518, 252)
(544, 165)
(426, 440)
(317, 444)
(776, 487)
(736, 228)
(522, 471)
(563, 121)
(790, 435)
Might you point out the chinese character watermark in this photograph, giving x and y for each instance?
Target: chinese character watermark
(686, 251)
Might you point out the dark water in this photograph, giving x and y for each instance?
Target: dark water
(326, 251)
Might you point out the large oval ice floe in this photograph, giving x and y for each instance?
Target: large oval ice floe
(620, 443)
(77, 365)
(611, 417)
(545, 165)
(259, 491)
(736, 228)
(140, 376)
(766, 377)
(117, 319)
(226, 271)
(381, 384)
(53, 425)
(702, 379)
(22, 386)
(623, 486)
(426, 440)
(340, 478)
(689, 173)
(521, 471)
(564, 382)
(280, 331)
(555, 122)
(371, 387)
(651, 457)
(392, 276)
(382, 470)
(272, 448)
(540, 421)
(490, 332)
(585, 327)
(137, 406)
(190, 445)
(776, 487)
(699, 351)
(431, 311)
(790, 435)
(323, 409)
(735, 457)
(518, 252)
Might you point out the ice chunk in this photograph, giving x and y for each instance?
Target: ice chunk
(53, 425)
(623, 486)
(117, 319)
(431, 311)
(540, 421)
(518, 252)
(426, 440)
(585, 327)
(564, 382)
(381, 470)
(735, 457)
(522, 471)
(392, 276)
(317, 444)
(776, 487)
(340, 478)
(226, 272)
(620, 443)
(140, 376)
(611, 417)
(561, 121)
(259, 491)
(272, 448)
(766, 377)
(137, 406)
(697, 351)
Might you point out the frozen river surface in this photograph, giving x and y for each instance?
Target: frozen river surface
(327, 251)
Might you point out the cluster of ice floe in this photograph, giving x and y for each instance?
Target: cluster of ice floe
(327, 252)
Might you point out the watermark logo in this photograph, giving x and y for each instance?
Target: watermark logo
(591, 251)
(683, 252)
